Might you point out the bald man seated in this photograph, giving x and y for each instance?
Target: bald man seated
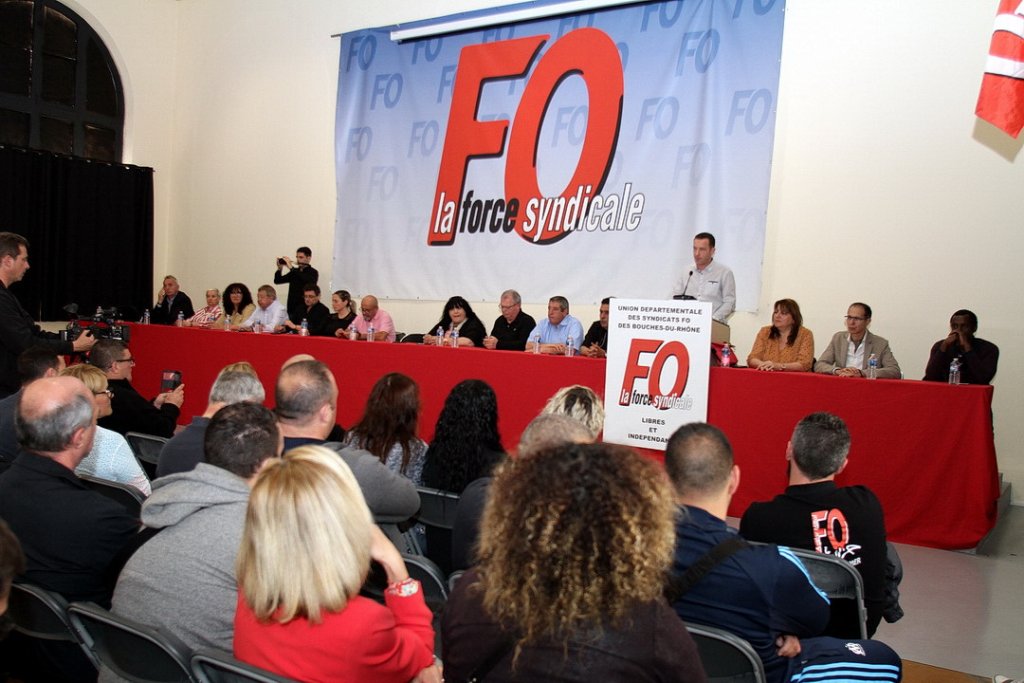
(371, 316)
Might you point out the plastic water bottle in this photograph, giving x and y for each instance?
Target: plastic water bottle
(954, 371)
(304, 328)
(369, 333)
(873, 367)
(440, 335)
(569, 348)
(145, 317)
(180, 322)
(352, 333)
(726, 355)
(536, 346)
(227, 322)
(455, 338)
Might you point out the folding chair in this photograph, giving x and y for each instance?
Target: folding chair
(42, 615)
(133, 651)
(214, 666)
(838, 579)
(437, 514)
(727, 658)
(147, 449)
(128, 496)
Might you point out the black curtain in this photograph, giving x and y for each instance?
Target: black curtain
(90, 229)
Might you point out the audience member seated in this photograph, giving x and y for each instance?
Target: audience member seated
(305, 553)
(270, 315)
(458, 316)
(182, 580)
(784, 345)
(371, 316)
(212, 314)
(170, 302)
(131, 412)
(563, 590)
(978, 357)
(595, 344)
(845, 522)
(512, 328)
(238, 305)
(33, 363)
(848, 353)
(344, 313)
(306, 400)
(312, 311)
(581, 404)
(558, 331)
(542, 432)
(111, 457)
(465, 448)
(12, 563)
(185, 449)
(388, 426)
(762, 593)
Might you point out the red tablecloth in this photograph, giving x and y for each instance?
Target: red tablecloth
(925, 449)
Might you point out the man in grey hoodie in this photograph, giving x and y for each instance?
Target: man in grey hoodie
(182, 580)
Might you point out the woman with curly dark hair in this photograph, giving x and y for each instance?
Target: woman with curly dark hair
(388, 426)
(457, 315)
(574, 550)
(466, 442)
(238, 305)
(465, 448)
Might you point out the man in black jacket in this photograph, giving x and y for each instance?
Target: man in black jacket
(299, 274)
(132, 412)
(170, 303)
(18, 331)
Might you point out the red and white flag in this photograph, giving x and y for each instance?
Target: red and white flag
(1001, 100)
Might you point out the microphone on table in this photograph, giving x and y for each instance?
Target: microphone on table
(682, 295)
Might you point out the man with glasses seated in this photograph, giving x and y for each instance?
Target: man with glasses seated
(849, 353)
(132, 412)
(513, 327)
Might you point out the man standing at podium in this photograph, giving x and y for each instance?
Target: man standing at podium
(708, 280)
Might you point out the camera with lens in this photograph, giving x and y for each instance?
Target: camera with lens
(281, 262)
(104, 324)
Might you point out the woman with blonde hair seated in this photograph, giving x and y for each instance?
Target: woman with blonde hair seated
(305, 553)
(111, 457)
(575, 546)
(212, 314)
(785, 344)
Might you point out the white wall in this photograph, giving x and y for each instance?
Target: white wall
(885, 188)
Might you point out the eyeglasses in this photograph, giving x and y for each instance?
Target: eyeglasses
(106, 392)
(507, 308)
(854, 318)
(126, 360)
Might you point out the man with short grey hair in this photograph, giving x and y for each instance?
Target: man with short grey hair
(132, 412)
(185, 449)
(815, 514)
(513, 327)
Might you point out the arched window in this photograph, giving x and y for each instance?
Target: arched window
(59, 89)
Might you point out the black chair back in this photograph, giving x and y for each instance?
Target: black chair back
(437, 508)
(727, 658)
(128, 496)
(133, 651)
(214, 666)
(147, 449)
(839, 580)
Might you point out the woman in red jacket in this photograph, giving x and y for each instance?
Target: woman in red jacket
(305, 553)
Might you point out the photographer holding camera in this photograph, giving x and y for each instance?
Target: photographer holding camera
(299, 274)
(17, 329)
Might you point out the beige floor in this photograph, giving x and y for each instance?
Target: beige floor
(965, 612)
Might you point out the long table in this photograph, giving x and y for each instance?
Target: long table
(925, 449)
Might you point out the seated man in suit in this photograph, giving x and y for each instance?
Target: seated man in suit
(170, 303)
(760, 593)
(848, 353)
(132, 412)
(815, 514)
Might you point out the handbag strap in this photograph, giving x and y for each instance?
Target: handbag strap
(680, 585)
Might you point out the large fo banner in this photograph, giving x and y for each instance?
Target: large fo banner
(656, 378)
(576, 155)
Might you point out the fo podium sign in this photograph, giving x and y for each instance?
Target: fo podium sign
(657, 372)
